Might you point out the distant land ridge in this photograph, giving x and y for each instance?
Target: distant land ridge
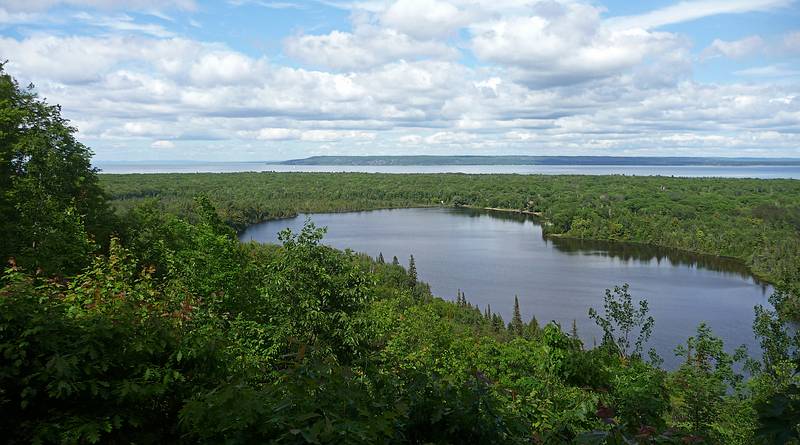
(538, 160)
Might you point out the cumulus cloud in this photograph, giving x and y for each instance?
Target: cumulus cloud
(425, 18)
(367, 47)
(735, 49)
(64, 59)
(568, 43)
(276, 134)
(543, 77)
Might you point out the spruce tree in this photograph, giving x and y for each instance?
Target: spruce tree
(532, 330)
(516, 326)
(574, 331)
(412, 271)
(380, 258)
(395, 261)
(497, 323)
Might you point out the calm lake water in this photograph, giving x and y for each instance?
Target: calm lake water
(492, 256)
(765, 172)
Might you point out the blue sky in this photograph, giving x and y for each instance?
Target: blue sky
(268, 80)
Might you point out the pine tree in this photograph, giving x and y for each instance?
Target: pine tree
(532, 330)
(380, 258)
(412, 271)
(395, 261)
(497, 323)
(516, 326)
(487, 314)
(574, 331)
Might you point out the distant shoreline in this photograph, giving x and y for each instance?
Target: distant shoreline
(499, 209)
(381, 161)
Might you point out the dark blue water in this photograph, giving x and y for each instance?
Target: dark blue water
(494, 256)
(765, 172)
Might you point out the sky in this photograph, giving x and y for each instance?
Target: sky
(255, 80)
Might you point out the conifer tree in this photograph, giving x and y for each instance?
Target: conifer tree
(380, 258)
(574, 331)
(412, 271)
(395, 261)
(532, 330)
(497, 323)
(516, 326)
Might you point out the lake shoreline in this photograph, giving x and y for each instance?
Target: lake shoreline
(538, 215)
(500, 209)
(493, 256)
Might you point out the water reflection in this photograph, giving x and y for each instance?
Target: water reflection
(630, 252)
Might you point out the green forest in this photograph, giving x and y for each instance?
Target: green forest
(754, 220)
(130, 312)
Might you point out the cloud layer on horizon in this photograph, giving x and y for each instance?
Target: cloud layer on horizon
(411, 76)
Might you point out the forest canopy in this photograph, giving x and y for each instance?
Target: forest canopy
(754, 220)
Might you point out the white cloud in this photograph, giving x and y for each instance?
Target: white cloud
(550, 77)
(566, 44)
(735, 49)
(65, 59)
(162, 144)
(692, 10)
(334, 135)
(450, 137)
(223, 68)
(414, 139)
(368, 46)
(776, 70)
(14, 17)
(424, 19)
(43, 5)
(123, 23)
(277, 134)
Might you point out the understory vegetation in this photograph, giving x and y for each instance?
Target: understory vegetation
(154, 324)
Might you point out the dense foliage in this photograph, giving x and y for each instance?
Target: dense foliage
(53, 211)
(754, 220)
(175, 332)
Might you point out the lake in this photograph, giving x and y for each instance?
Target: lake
(493, 256)
(692, 171)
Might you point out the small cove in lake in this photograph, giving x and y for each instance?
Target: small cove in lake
(493, 256)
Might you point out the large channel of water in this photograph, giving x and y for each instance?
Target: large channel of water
(493, 256)
(746, 171)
